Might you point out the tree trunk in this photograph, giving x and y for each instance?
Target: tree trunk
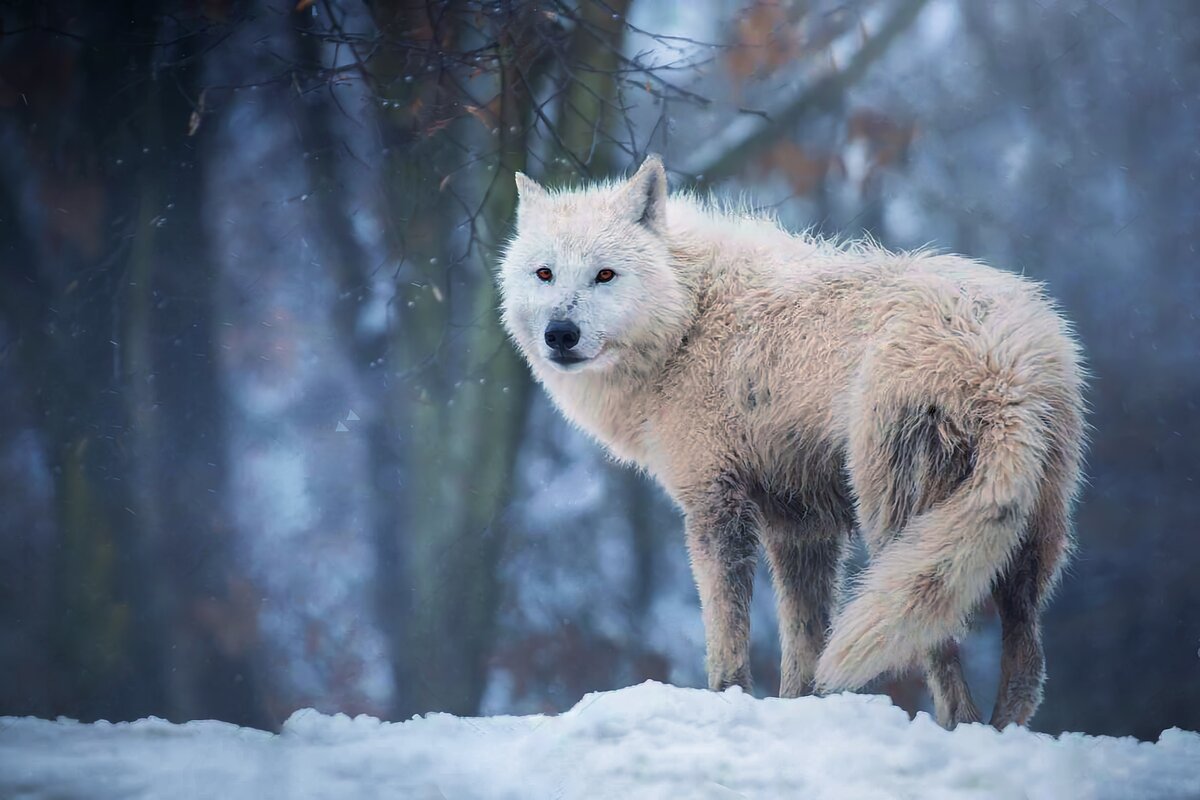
(208, 606)
(586, 114)
(118, 349)
(70, 345)
(458, 392)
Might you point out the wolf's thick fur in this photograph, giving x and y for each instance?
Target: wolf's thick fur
(784, 390)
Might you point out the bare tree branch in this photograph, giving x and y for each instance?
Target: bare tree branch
(750, 134)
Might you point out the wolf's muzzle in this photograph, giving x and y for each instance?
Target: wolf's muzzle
(561, 335)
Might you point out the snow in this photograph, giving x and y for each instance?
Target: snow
(647, 741)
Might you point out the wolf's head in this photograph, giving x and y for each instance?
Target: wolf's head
(587, 280)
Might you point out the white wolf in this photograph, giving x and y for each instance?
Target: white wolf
(784, 390)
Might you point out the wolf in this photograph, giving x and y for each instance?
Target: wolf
(787, 391)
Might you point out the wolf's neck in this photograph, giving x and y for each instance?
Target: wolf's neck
(699, 230)
(612, 406)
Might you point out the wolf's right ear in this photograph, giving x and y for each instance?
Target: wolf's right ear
(530, 195)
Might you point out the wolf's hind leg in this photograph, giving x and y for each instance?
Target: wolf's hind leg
(806, 564)
(1022, 663)
(952, 701)
(723, 544)
(1020, 594)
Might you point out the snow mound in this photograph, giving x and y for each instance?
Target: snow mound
(647, 741)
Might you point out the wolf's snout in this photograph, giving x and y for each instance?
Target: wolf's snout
(562, 335)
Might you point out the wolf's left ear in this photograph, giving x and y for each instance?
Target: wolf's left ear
(645, 195)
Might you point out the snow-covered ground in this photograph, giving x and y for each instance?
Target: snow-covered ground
(645, 741)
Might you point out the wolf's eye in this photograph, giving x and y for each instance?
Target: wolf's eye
(544, 274)
(605, 275)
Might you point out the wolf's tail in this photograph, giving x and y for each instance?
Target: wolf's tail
(922, 585)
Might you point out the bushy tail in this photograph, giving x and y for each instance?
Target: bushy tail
(919, 590)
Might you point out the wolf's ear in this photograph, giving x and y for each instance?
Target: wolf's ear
(528, 189)
(530, 195)
(645, 195)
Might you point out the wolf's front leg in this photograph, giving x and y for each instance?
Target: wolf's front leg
(723, 543)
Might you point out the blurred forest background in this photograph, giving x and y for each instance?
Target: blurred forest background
(263, 444)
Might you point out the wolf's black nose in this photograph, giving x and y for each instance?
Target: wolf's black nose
(562, 334)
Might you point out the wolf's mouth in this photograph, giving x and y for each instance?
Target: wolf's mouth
(566, 360)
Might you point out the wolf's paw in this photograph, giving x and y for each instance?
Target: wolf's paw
(719, 680)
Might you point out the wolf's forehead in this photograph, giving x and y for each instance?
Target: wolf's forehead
(567, 245)
(576, 246)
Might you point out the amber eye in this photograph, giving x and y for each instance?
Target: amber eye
(605, 275)
(544, 274)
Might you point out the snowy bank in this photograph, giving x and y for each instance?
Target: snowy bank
(645, 741)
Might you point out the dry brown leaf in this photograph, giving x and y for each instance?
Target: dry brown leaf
(767, 39)
(488, 115)
(804, 171)
(485, 117)
(437, 125)
(888, 140)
